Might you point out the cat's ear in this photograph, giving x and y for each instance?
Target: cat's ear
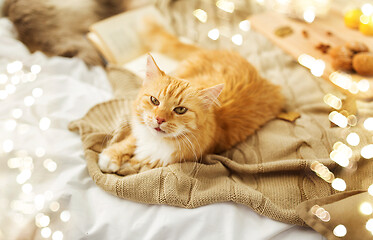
(210, 95)
(152, 70)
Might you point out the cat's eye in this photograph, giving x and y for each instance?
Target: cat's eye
(180, 110)
(154, 101)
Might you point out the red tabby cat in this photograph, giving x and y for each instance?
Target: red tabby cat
(215, 100)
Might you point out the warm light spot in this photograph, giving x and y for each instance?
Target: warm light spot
(214, 34)
(225, 5)
(44, 123)
(367, 151)
(14, 67)
(338, 119)
(65, 216)
(368, 124)
(39, 151)
(54, 206)
(333, 101)
(367, 9)
(354, 88)
(39, 201)
(35, 69)
(50, 165)
(260, 2)
(318, 68)
(363, 85)
(37, 92)
(352, 120)
(23, 176)
(341, 79)
(353, 139)
(14, 162)
(237, 39)
(340, 231)
(3, 78)
(42, 220)
(366, 208)
(369, 225)
(15, 80)
(339, 158)
(245, 25)
(339, 184)
(57, 235)
(17, 113)
(306, 60)
(29, 101)
(309, 15)
(10, 88)
(314, 208)
(46, 232)
(200, 15)
(8, 146)
(10, 125)
(370, 190)
(27, 188)
(364, 19)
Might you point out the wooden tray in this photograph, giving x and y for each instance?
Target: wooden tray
(328, 30)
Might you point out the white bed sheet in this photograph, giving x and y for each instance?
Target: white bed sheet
(69, 90)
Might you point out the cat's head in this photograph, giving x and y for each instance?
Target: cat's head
(171, 107)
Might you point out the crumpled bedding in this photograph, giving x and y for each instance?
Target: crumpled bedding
(70, 89)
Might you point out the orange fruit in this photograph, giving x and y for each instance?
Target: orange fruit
(366, 25)
(352, 18)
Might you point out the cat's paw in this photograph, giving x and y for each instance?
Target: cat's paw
(107, 163)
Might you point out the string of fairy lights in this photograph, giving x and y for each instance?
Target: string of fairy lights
(342, 153)
(28, 202)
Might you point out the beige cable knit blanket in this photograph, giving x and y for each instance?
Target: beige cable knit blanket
(269, 172)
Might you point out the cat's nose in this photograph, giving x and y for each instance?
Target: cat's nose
(160, 120)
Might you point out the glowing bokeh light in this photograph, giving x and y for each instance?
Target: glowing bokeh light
(333, 101)
(44, 123)
(200, 14)
(353, 139)
(309, 15)
(363, 85)
(8, 146)
(338, 119)
(366, 208)
(29, 101)
(37, 92)
(35, 69)
(10, 125)
(57, 235)
(17, 113)
(225, 5)
(54, 206)
(65, 216)
(370, 190)
(368, 124)
(339, 184)
(340, 231)
(245, 25)
(214, 34)
(237, 39)
(46, 232)
(367, 151)
(3, 78)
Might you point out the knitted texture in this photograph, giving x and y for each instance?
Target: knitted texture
(270, 171)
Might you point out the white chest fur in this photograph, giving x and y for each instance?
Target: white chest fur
(150, 146)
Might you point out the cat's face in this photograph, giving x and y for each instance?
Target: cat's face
(170, 107)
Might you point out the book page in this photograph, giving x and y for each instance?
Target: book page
(119, 35)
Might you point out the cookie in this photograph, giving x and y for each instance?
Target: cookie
(363, 63)
(341, 58)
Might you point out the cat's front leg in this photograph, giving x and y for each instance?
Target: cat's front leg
(111, 159)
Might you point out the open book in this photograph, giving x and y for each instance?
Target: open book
(118, 40)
